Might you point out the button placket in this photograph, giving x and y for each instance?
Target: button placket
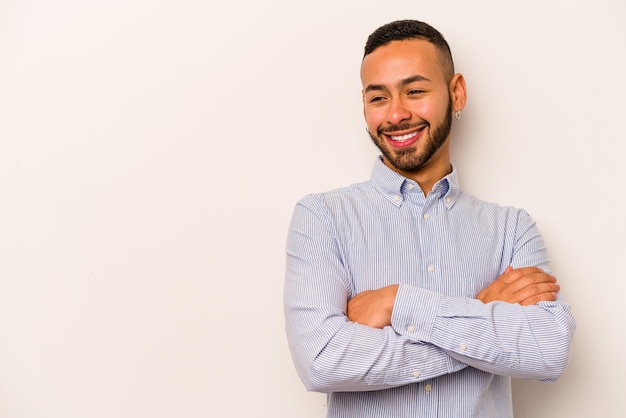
(426, 219)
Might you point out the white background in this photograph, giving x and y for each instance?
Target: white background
(152, 152)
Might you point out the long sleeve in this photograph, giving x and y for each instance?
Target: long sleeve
(500, 338)
(330, 352)
(445, 353)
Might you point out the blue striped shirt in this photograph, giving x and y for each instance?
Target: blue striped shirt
(446, 354)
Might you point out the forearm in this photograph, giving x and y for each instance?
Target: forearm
(360, 358)
(330, 352)
(501, 338)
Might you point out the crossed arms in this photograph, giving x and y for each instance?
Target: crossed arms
(517, 326)
(525, 286)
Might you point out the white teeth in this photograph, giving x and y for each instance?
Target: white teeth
(402, 138)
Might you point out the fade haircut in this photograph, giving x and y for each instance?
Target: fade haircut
(401, 30)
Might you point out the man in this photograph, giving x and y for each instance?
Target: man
(405, 296)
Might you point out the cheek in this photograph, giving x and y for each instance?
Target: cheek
(374, 117)
(425, 109)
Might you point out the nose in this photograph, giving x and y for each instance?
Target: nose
(398, 112)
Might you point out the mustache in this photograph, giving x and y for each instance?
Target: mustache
(403, 127)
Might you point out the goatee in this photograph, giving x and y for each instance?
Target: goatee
(409, 160)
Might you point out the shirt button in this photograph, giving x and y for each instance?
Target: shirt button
(426, 216)
(396, 198)
(448, 200)
(463, 347)
(416, 374)
(410, 328)
(427, 388)
(430, 268)
(411, 187)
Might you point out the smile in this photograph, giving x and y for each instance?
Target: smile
(405, 140)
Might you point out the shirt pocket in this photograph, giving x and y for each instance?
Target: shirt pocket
(472, 286)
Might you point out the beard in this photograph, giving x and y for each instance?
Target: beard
(409, 159)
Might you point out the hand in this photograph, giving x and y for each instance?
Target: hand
(526, 286)
(373, 307)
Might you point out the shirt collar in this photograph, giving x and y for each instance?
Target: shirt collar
(394, 186)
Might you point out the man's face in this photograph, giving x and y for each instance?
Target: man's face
(407, 104)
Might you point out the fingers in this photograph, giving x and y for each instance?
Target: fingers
(526, 286)
(511, 275)
(541, 297)
(537, 292)
(532, 281)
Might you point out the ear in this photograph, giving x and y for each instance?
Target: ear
(363, 100)
(458, 92)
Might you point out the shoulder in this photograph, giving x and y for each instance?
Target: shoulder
(484, 208)
(338, 196)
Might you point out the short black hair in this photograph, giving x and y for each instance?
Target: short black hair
(401, 30)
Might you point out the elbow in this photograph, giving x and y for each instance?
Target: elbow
(545, 367)
(553, 369)
(324, 374)
(554, 348)
(310, 368)
(316, 385)
(314, 382)
(556, 356)
(555, 363)
(315, 374)
(319, 378)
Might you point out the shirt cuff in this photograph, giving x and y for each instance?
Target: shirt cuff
(414, 312)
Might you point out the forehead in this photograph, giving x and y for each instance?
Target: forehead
(399, 60)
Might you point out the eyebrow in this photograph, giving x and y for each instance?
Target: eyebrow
(402, 83)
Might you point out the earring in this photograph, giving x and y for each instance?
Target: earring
(457, 114)
(367, 129)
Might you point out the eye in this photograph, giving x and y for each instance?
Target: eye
(376, 99)
(416, 91)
